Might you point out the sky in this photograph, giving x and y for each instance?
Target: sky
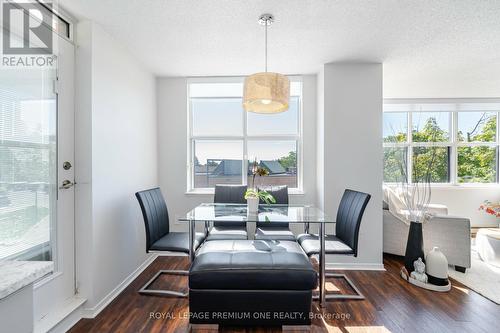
(213, 116)
(217, 116)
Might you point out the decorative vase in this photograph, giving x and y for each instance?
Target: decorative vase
(414, 246)
(253, 205)
(437, 267)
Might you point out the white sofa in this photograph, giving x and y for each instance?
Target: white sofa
(450, 233)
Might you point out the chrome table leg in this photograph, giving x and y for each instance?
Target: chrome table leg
(321, 265)
(191, 240)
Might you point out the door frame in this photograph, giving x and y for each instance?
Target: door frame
(51, 292)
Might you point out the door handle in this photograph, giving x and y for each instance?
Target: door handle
(66, 184)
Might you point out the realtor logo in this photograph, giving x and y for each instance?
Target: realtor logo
(27, 28)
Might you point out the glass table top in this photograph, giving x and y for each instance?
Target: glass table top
(267, 213)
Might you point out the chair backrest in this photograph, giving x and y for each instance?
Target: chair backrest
(234, 194)
(155, 214)
(349, 215)
(230, 194)
(280, 194)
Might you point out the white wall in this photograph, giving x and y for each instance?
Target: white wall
(83, 160)
(116, 156)
(320, 137)
(172, 142)
(465, 201)
(352, 147)
(171, 94)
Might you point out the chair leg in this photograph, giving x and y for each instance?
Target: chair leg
(351, 284)
(358, 294)
(144, 290)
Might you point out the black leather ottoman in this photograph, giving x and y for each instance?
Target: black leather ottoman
(251, 283)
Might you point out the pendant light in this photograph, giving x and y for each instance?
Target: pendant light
(266, 92)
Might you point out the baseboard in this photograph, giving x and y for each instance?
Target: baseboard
(355, 266)
(62, 319)
(94, 311)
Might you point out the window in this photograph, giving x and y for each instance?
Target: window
(459, 142)
(477, 150)
(217, 162)
(395, 127)
(59, 21)
(224, 140)
(28, 162)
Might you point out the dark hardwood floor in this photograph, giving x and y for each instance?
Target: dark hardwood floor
(391, 305)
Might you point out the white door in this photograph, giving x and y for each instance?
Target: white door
(37, 173)
(52, 292)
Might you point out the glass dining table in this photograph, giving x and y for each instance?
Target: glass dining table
(207, 213)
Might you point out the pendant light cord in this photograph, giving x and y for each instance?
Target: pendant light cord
(266, 43)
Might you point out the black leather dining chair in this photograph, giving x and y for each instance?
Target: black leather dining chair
(233, 194)
(345, 241)
(159, 238)
(275, 230)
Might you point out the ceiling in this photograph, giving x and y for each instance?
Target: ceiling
(429, 48)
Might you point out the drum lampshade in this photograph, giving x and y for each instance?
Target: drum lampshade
(266, 92)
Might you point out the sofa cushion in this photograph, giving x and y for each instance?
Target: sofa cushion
(252, 265)
(177, 242)
(274, 233)
(222, 232)
(333, 245)
(437, 209)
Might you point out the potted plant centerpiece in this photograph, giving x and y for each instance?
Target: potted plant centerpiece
(253, 195)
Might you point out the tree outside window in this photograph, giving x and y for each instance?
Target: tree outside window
(470, 148)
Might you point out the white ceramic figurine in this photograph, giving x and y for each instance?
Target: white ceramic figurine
(419, 272)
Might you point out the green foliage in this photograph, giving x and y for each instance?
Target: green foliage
(430, 133)
(262, 195)
(398, 137)
(394, 160)
(476, 164)
(484, 131)
(289, 161)
(430, 162)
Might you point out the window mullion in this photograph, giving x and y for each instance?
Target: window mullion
(244, 173)
(409, 153)
(498, 150)
(498, 135)
(190, 162)
(454, 150)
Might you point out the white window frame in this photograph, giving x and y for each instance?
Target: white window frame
(58, 12)
(455, 106)
(298, 138)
